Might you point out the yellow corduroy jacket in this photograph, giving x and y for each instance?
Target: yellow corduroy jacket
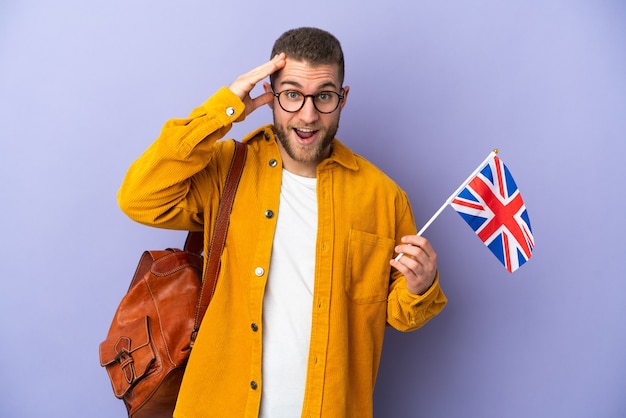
(176, 184)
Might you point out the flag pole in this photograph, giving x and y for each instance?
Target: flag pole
(453, 195)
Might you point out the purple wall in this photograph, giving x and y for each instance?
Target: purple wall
(85, 87)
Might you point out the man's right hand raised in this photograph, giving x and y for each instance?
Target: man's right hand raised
(243, 85)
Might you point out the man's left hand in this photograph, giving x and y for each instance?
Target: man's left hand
(418, 264)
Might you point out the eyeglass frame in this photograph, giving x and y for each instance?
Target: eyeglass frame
(312, 96)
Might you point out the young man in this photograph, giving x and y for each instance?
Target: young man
(307, 281)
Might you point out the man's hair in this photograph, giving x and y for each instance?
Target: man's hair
(312, 45)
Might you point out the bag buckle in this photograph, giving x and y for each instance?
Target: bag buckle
(192, 339)
(127, 363)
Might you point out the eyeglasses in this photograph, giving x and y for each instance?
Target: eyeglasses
(324, 102)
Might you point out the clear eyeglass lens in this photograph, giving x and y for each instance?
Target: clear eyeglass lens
(292, 101)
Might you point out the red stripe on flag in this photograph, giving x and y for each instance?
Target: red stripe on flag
(503, 214)
(500, 177)
(470, 205)
(507, 253)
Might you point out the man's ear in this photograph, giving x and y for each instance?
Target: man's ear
(267, 87)
(346, 90)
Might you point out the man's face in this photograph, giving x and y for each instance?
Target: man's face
(305, 136)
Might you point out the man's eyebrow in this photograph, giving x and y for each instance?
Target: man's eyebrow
(326, 85)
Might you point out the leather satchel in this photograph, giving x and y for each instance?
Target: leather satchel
(156, 323)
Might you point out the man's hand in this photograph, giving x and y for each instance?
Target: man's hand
(244, 84)
(418, 264)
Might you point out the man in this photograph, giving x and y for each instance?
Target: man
(307, 281)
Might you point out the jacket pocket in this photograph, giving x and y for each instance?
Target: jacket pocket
(367, 267)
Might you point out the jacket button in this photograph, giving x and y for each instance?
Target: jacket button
(253, 385)
(254, 327)
(269, 214)
(273, 163)
(259, 271)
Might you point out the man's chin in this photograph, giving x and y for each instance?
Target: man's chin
(304, 150)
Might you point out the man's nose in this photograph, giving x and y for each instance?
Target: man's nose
(309, 112)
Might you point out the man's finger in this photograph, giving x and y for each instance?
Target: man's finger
(263, 99)
(244, 84)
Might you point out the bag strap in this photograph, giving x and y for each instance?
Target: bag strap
(218, 240)
(194, 242)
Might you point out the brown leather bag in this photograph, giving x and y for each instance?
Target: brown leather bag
(156, 323)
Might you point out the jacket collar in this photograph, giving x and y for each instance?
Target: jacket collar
(340, 153)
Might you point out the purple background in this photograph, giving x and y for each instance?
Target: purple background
(435, 86)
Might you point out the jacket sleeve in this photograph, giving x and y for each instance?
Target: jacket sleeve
(170, 184)
(407, 311)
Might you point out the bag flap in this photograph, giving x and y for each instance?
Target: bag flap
(127, 354)
(175, 261)
(145, 263)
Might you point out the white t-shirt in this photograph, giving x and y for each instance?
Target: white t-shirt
(288, 301)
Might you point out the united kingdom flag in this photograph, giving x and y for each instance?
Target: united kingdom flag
(493, 207)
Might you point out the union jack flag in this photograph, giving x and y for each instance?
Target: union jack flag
(493, 207)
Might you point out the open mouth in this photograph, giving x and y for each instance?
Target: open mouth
(305, 135)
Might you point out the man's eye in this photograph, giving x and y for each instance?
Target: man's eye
(323, 97)
(293, 95)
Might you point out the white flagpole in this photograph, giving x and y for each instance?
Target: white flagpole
(453, 195)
